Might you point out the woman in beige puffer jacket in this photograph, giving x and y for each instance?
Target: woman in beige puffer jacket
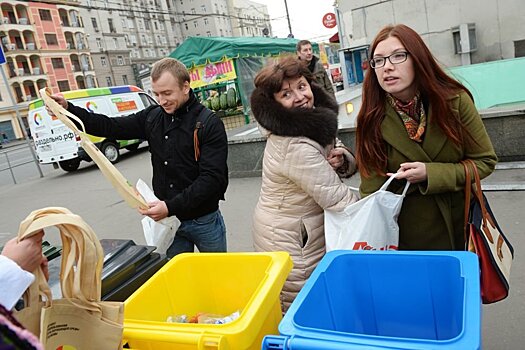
(298, 180)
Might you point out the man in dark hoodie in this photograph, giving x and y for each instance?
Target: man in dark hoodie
(305, 53)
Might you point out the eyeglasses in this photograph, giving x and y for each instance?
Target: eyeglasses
(395, 58)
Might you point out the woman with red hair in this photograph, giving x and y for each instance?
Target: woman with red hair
(418, 121)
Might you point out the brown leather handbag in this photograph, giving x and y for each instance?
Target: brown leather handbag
(484, 237)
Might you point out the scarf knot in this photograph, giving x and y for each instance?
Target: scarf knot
(412, 113)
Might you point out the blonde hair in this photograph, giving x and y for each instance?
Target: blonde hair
(172, 65)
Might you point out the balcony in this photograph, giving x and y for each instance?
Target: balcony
(31, 46)
(23, 21)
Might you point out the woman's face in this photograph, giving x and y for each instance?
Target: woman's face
(295, 92)
(396, 79)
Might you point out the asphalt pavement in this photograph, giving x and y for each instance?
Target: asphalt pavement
(87, 193)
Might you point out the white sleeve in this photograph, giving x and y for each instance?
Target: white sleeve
(13, 282)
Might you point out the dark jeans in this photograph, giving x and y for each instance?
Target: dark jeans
(207, 232)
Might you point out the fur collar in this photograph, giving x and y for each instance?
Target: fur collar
(319, 124)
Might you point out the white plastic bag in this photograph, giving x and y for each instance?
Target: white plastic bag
(157, 233)
(368, 224)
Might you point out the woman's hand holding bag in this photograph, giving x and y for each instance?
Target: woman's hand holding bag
(368, 224)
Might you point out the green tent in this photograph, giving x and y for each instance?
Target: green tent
(197, 50)
(249, 54)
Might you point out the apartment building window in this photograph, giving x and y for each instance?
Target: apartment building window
(221, 32)
(111, 27)
(57, 63)
(125, 80)
(146, 24)
(108, 81)
(141, 25)
(51, 39)
(94, 23)
(186, 26)
(99, 43)
(203, 8)
(45, 15)
(63, 85)
(193, 11)
(205, 21)
(133, 39)
(131, 24)
(156, 25)
(519, 48)
(195, 24)
(120, 60)
(124, 23)
(115, 43)
(103, 61)
(208, 33)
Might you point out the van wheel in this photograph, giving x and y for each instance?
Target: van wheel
(70, 164)
(133, 147)
(110, 151)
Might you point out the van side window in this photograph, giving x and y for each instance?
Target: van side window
(147, 100)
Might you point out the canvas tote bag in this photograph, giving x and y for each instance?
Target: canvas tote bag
(368, 224)
(34, 299)
(119, 182)
(80, 319)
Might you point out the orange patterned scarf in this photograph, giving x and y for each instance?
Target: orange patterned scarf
(412, 114)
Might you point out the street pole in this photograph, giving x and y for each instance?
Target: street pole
(288, 18)
(24, 134)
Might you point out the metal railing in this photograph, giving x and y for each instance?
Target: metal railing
(8, 164)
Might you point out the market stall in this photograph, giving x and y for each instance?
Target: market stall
(222, 70)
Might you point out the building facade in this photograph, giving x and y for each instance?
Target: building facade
(44, 44)
(204, 18)
(249, 18)
(77, 44)
(458, 32)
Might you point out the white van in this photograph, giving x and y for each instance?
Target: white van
(56, 143)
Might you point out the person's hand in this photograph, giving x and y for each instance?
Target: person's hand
(60, 100)
(413, 172)
(27, 253)
(158, 210)
(336, 158)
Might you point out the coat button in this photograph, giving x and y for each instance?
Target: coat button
(166, 137)
(166, 163)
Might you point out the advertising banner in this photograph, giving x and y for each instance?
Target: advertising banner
(212, 73)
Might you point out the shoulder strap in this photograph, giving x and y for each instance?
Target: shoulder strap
(202, 119)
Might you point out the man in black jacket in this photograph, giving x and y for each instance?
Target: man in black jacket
(306, 54)
(189, 149)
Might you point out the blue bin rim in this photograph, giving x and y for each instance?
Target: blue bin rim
(469, 266)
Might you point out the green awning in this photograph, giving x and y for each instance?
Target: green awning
(196, 51)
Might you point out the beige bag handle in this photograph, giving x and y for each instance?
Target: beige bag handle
(119, 182)
(82, 255)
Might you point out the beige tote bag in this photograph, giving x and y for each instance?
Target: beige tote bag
(80, 319)
(119, 182)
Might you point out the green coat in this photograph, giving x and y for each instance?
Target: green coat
(432, 214)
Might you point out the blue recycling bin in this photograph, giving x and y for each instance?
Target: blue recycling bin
(386, 300)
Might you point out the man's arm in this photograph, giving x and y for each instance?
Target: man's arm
(124, 128)
(327, 83)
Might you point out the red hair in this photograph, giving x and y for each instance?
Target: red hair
(432, 82)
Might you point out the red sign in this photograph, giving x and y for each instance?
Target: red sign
(329, 20)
